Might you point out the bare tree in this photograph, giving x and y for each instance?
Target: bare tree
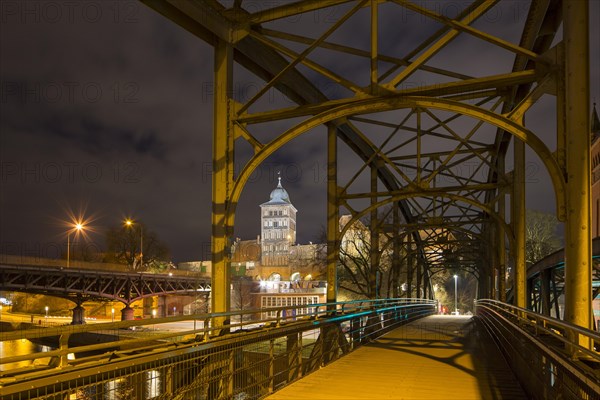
(241, 295)
(540, 234)
(124, 245)
(354, 269)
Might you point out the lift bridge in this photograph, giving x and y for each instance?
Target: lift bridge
(429, 147)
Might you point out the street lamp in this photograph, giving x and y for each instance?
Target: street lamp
(455, 295)
(46, 315)
(112, 311)
(129, 224)
(78, 227)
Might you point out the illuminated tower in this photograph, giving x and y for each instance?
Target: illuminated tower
(278, 227)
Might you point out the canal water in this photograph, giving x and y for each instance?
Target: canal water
(147, 385)
(21, 347)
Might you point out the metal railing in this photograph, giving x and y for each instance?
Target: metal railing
(248, 359)
(551, 358)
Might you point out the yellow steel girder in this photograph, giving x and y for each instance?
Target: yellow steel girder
(393, 103)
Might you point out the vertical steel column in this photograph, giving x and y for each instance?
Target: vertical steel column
(332, 214)
(426, 283)
(374, 46)
(396, 250)
(501, 235)
(409, 265)
(518, 223)
(545, 277)
(578, 249)
(374, 230)
(419, 276)
(492, 234)
(222, 179)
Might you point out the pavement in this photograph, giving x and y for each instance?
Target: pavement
(437, 357)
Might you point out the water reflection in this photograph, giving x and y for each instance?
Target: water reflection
(11, 348)
(153, 383)
(146, 385)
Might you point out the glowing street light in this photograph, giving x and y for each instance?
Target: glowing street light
(112, 311)
(46, 308)
(77, 227)
(455, 295)
(129, 224)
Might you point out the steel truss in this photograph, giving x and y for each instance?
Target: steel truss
(546, 281)
(433, 153)
(79, 285)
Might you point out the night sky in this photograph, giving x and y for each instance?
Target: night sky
(106, 112)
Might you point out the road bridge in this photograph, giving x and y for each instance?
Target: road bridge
(80, 283)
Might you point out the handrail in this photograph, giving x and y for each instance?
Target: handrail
(305, 342)
(571, 335)
(320, 309)
(207, 330)
(550, 357)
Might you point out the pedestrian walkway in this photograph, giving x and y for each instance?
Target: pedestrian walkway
(438, 357)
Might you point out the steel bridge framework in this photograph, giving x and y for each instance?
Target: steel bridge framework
(80, 285)
(432, 171)
(73, 284)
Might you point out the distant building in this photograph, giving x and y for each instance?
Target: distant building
(278, 227)
(272, 270)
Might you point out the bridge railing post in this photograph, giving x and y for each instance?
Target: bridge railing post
(63, 345)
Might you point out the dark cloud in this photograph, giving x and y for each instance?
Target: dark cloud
(115, 112)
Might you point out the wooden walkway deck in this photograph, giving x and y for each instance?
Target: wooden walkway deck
(438, 357)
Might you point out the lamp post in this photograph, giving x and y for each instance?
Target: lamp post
(455, 295)
(78, 227)
(46, 308)
(153, 316)
(112, 312)
(129, 223)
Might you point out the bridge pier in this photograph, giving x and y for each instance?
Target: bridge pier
(127, 313)
(78, 315)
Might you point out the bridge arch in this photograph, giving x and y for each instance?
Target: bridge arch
(400, 102)
(394, 198)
